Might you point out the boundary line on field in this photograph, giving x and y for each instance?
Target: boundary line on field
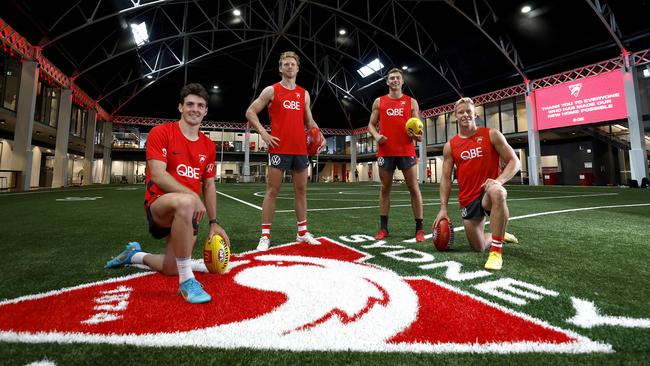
(453, 201)
(461, 228)
(240, 200)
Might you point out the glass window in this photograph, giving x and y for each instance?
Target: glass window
(440, 129)
(522, 118)
(480, 115)
(452, 126)
(55, 95)
(507, 116)
(10, 87)
(492, 116)
(431, 131)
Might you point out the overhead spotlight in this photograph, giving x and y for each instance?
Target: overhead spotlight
(236, 12)
(149, 76)
(342, 31)
(526, 9)
(2, 121)
(215, 87)
(345, 97)
(38, 133)
(404, 67)
(646, 72)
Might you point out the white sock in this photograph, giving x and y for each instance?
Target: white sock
(138, 258)
(184, 266)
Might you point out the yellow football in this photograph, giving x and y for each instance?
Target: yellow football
(216, 255)
(414, 125)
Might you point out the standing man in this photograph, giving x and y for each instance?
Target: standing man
(396, 148)
(180, 163)
(289, 111)
(477, 154)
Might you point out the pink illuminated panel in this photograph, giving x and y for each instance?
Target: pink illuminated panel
(588, 100)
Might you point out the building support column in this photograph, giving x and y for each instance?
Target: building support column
(108, 148)
(534, 149)
(247, 154)
(638, 153)
(60, 178)
(89, 153)
(22, 157)
(353, 158)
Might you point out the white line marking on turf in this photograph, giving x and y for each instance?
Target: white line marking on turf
(240, 201)
(460, 228)
(452, 201)
(587, 316)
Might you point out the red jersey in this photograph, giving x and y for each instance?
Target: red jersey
(393, 114)
(287, 114)
(476, 160)
(188, 162)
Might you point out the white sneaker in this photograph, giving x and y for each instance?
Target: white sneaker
(307, 238)
(264, 244)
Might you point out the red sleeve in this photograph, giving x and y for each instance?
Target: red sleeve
(210, 168)
(157, 142)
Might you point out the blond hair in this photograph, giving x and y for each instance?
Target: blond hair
(394, 70)
(289, 54)
(463, 100)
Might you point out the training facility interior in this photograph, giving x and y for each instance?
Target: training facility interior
(567, 84)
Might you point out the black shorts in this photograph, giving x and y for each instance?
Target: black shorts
(289, 162)
(474, 209)
(162, 232)
(401, 162)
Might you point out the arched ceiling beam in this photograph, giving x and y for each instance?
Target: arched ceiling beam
(606, 16)
(415, 49)
(479, 16)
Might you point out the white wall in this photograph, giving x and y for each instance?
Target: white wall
(36, 166)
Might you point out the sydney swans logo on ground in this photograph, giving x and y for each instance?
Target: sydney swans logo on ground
(293, 297)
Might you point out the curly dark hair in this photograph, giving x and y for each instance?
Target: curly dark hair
(194, 89)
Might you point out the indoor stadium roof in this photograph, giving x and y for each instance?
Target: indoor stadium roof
(449, 47)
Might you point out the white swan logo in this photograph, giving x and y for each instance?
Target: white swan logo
(327, 302)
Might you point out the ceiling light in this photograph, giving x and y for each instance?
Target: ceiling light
(38, 132)
(374, 65)
(342, 32)
(236, 12)
(646, 72)
(140, 34)
(149, 76)
(2, 121)
(404, 67)
(620, 127)
(215, 87)
(526, 9)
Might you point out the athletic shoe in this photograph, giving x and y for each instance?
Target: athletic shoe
(419, 236)
(307, 238)
(381, 234)
(509, 238)
(124, 258)
(192, 291)
(494, 262)
(264, 244)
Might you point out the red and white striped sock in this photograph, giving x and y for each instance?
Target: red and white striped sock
(266, 230)
(302, 227)
(496, 245)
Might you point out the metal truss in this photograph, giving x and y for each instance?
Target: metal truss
(641, 57)
(579, 73)
(211, 125)
(606, 16)
(481, 15)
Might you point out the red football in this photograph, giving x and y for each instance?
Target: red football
(314, 139)
(443, 235)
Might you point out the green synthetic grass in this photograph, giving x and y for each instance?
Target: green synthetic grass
(599, 255)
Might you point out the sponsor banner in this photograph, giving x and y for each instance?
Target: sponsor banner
(292, 297)
(592, 99)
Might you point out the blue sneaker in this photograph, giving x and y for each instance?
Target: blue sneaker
(124, 258)
(193, 292)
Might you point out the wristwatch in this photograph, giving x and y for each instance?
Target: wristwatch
(214, 221)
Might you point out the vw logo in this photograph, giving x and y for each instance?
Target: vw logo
(275, 160)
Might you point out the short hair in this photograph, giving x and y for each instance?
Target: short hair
(289, 54)
(463, 100)
(194, 89)
(394, 70)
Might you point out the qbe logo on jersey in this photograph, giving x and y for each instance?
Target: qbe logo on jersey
(292, 297)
